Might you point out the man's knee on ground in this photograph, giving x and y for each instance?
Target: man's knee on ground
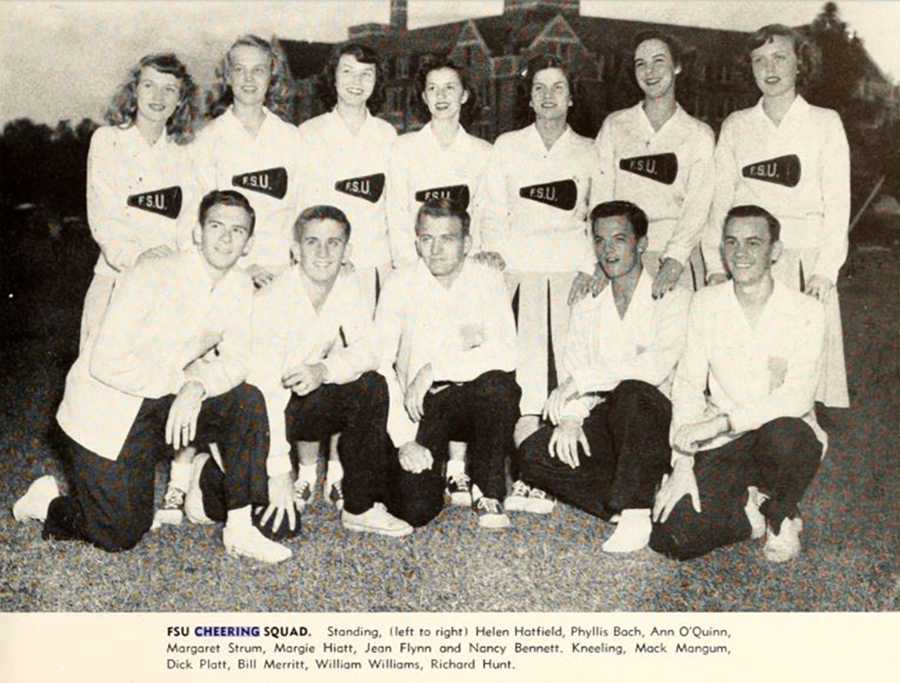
(120, 538)
(677, 538)
(418, 498)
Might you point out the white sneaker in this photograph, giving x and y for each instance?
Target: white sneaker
(172, 510)
(490, 513)
(756, 518)
(336, 494)
(193, 501)
(517, 500)
(540, 502)
(458, 490)
(36, 501)
(631, 534)
(376, 520)
(247, 541)
(785, 545)
(303, 494)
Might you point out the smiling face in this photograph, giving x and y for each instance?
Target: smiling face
(249, 74)
(354, 80)
(654, 68)
(550, 96)
(775, 66)
(321, 249)
(617, 249)
(444, 94)
(158, 95)
(748, 250)
(224, 236)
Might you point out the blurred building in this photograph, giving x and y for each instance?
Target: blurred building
(715, 78)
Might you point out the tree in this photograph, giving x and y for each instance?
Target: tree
(844, 62)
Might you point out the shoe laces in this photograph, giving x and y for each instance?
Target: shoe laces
(337, 491)
(460, 481)
(489, 505)
(520, 488)
(539, 494)
(302, 490)
(174, 498)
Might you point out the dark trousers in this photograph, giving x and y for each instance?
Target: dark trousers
(482, 413)
(111, 501)
(780, 458)
(629, 438)
(358, 411)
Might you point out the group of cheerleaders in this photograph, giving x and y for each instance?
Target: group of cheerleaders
(529, 194)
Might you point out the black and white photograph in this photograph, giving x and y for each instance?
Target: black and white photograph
(485, 307)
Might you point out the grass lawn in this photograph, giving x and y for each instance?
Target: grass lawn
(852, 511)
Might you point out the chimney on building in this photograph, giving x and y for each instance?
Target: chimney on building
(399, 15)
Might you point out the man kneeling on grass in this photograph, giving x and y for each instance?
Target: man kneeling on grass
(609, 446)
(147, 375)
(744, 455)
(314, 358)
(448, 349)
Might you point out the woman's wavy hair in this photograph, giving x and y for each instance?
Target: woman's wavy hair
(681, 57)
(524, 113)
(327, 90)
(435, 63)
(809, 59)
(280, 93)
(182, 124)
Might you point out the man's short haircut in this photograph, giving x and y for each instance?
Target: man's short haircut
(754, 211)
(635, 215)
(227, 198)
(444, 208)
(321, 212)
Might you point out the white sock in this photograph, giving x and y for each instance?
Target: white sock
(335, 473)
(456, 467)
(240, 518)
(308, 473)
(180, 475)
(632, 533)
